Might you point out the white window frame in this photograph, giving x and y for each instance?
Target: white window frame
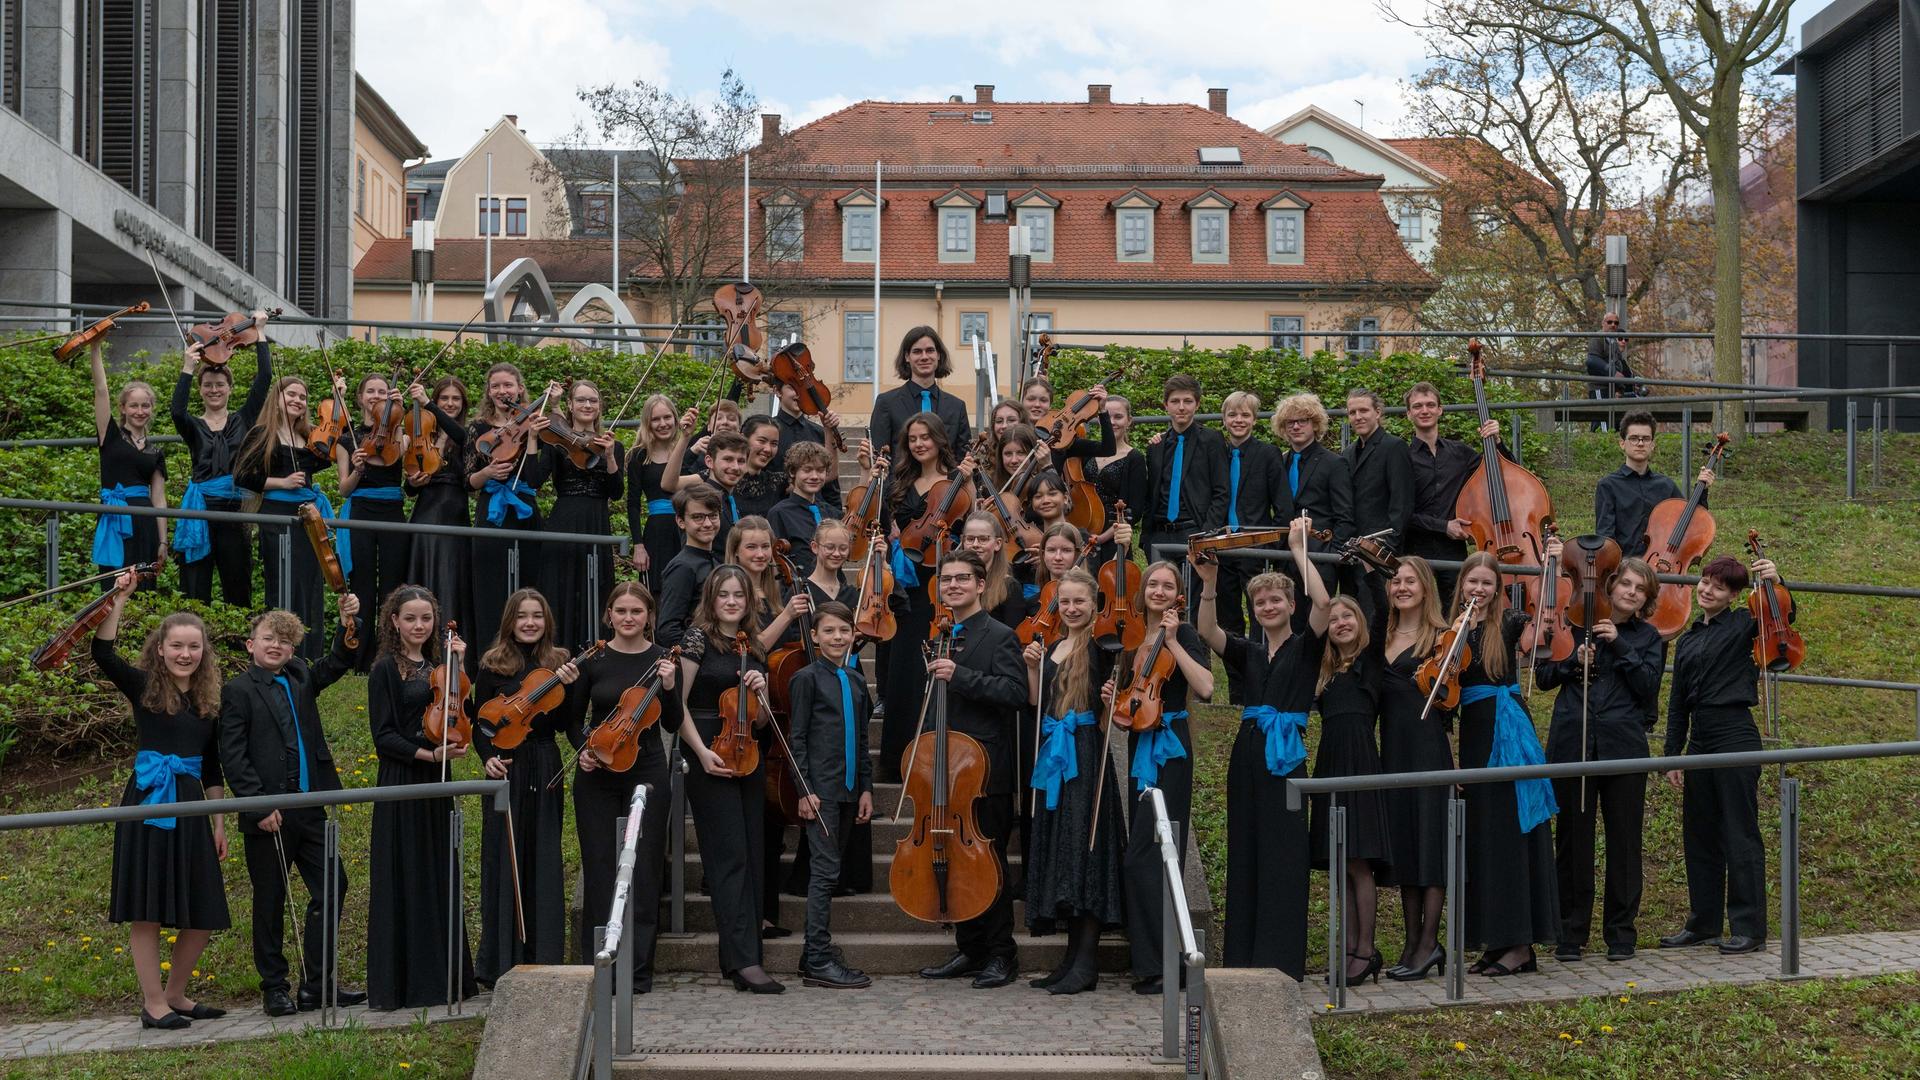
(782, 323)
(1040, 219)
(848, 215)
(1275, 253)
(360, 186)
(1120, 219)
(783, 217)
(1363, 336)
(985, 320)
(1206, 214)
(950, 215)
(1284, 331)
(1410, 212)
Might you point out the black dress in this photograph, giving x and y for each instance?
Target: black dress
(1267, 849)
(728, 811)
(537, 812)
(602, 796)
(583, 498)
(212, 453)
(123, 465)
(492, 558)
(443, 565)
(166, 876)
(904, 682)
(1416, 817)
(1512, 896)
(1141, 870)
(380, 559)
(650, 515)
(305, 593)
(1066, 880)
(1125, 477)
(1349, 705)
(408, 883)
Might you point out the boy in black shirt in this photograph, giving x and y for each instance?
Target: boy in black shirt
(794, 518)
(830, 711)
(1625, 498)
(696, 509)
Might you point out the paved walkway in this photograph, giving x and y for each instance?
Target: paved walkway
(97, 1033)
(1650, 971)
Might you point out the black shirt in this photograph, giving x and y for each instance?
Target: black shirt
(680, 587)
(819, 731)
(986, 694)
(1622, 693)
(795, 428)
(1438, 475)
(213, 451)
(893, 409)
(1258, 492)
(1286, 681)
(1713, 668)
(1622, 502)
(1326, 492)
(794, 519)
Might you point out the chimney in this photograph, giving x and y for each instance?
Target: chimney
(983, 93)
(1099, 93)
(769, 128)
(1217, 100)
(513, 119)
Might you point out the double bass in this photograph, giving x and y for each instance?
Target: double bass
(1777, 646)
(1679, 533)
(1502, 503)
(944, 869)
(327, 554)
(1589, 563)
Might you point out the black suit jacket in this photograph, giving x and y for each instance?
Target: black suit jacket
(1326, 492)
(986, 694)
(1382, 478)
(1203, 479)
(257, 745)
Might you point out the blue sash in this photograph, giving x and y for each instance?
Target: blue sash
(110, 531)
(903, 567)
(374, 494)
(321, 503)
(501, 498)
(191, 537)
(660, 506)
(1154, 749)
(158, 775)
(1285, 749)
(1516, 743)
(1058, 761)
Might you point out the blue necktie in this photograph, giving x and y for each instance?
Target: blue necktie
(1293, 474)
(1173, 482)
(926, 401)
(814, 509)
(846, 718)
(733, 507)
(1233, 491)
(299, 740)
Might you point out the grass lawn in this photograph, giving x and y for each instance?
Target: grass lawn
(417, 1052)
(1857, 1027)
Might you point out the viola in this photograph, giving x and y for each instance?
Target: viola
(1044, 625)
(948, 500)
(386, 436)
(740, 712)
(508, 719)
(863, 507)
(53, 653)
(1552, 637)
(1679, 533)
(792, 366)
(1438, 676)
(92, 335)
(616, 741)
(1059, 427)
(1502, 503)
(1589, 564)
(1045, 357)
(504, 443)
(325, 551)
(334, 421)
(445, 719)
(944, 869)
(1138, 705)
(872, 615)
(1205, 546)
(423, 453)
(1118, 627)
(1777, 647)
(220, 340)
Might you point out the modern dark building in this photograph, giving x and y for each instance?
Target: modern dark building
(1857, 77)
(213, 135)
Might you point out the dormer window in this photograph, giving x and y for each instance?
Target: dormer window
(786, 219)
(1286, 229)
(956, 210)
(1036, 211)
(1133, 215)
(1210, 213)
(859, 225)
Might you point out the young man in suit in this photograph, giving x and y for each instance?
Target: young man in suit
(1253, 482)
(1440, 467)
(272, 743)
(1186, 474)
(921, 362)
(1313, 481)
(1382, 478)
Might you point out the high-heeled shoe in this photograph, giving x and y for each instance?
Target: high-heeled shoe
(1372, 969)
(770, 986)
(172, 1021)
(1406, 973)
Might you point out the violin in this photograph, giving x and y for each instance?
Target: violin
(53, 653)
(423, 444)
(940, 609)
(386, 431)
(1045, 624)
(1118, 627)
(1139, 704)
(1204, 545)
(1059, 427)
(577, 445)
(1023, 537)
(1502, 503)
(92, 335)
(1438, 676)
(792, 366)
(334, 421)
(1778, 646)
(740, 712)
(948, 500)
(445, 719)
(872, 615)
(1679, 533)
(1552, 638)
(218, 341)
(944, 869)
(616, 741)
(1045, 356)
(507, 720)
(1589, 564)
(505, 442)
(863, 507)
(323, 541)
(737, 305)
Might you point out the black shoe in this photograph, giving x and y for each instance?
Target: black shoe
(1568, 953)
(1734, 944)
(201, 1012)
(958, 966)
(1409, 974)
(1149, 987)
(768, 933)
(173, 1021)
(843, 890)
(834, 975)
(1686, 938)
(1619, 951)
(1076, 980)
(343, 997)
(997, 972)
(279, 1003)
(767, 986)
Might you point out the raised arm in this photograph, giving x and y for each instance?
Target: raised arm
(102, 401)
(1205, 619)
(1309, 576)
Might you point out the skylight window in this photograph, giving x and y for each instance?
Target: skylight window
(1219, 155)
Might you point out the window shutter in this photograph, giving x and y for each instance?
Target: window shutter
(1860, 97)
(117, 84)
(10, 23)
(226, 128)
(308, 203)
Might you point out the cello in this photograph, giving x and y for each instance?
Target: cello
(944, 869)
(1777, 646)
(1679, 532)
(1118, 628)
(1503, 504)
(740, 713)
(1589, 564)
(54, 651)
(507, 720)
(324, 550)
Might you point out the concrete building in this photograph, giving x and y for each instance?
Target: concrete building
(1857, 106)
(382, 146)
(214, 137)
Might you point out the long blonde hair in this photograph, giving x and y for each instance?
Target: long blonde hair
(1073, 679)
(203, 688)
(646, 443)
(273, 429)
(1494, 654)
(489, 413)
(1432, 623)
(565, 409)
(1336, 658)
(999, 571)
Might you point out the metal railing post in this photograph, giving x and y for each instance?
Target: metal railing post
(1337, 904)
(513, 566)
(594, 595)
(1853, 448)
(602, 1011)
(285, 559)
(1876, 439)
(1197, 1021)
(1686, 441)
(1789, 878)
(456, 908)
(1513, 421)
(53, 550)
(623, 968)
(1456, 970)
(677, 836)
(329, 924)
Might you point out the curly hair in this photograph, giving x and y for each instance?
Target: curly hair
(162, 694)
(389, 634)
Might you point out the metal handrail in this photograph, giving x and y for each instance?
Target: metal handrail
(1176, 929)
(623, 543)
(623, 879)
(611, 1018)
(1517, 335)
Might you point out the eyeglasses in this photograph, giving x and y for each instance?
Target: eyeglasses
(1639, 439)
(700, 518)
(955, 579)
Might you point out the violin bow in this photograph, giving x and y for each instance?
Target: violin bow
(182, 331)
(74, 584)
(793, 766)
(1105, 760)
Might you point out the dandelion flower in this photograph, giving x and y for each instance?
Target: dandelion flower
(196, 973)
(1624, 999)
(85, 938)
(1564, 1035)
(166, 965)
(406, 1065)
(117, 950)
(1631, 984)
(1606, 1029)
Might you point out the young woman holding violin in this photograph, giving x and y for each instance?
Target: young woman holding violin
(1161, 755)
(279, 463)
(213, 440)
(1036, 398)
(1416, 818)
(506, 484)
(1068, 882)
(166, 871)
(1006, 413)
(649, 503)
(1511, 900)
(1005, 597)
(1710, 711)
(133, 472)
(408, 885)
(1348, 695)
(1120, 475)
(443, 565)
(370, 490)
(633, 682)
(1267, 849)
(586, 479)
(524, 643)
(721, 657)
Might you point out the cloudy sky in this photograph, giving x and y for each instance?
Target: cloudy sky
(453, 67)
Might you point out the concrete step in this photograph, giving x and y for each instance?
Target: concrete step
(886, 832)
(763, 1066)
(877, 952)
(861, 913)
(882, 867)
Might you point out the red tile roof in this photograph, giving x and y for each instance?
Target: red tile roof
(572, 262)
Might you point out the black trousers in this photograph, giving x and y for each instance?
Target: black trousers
(991, 935)
(728, 821)
(1230, 609)
(379, 564)
(1726, 864)
(1621, 801)
(231, 558)
(824, 857)
(1141, 872)
(302, 835)
(600, 798)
